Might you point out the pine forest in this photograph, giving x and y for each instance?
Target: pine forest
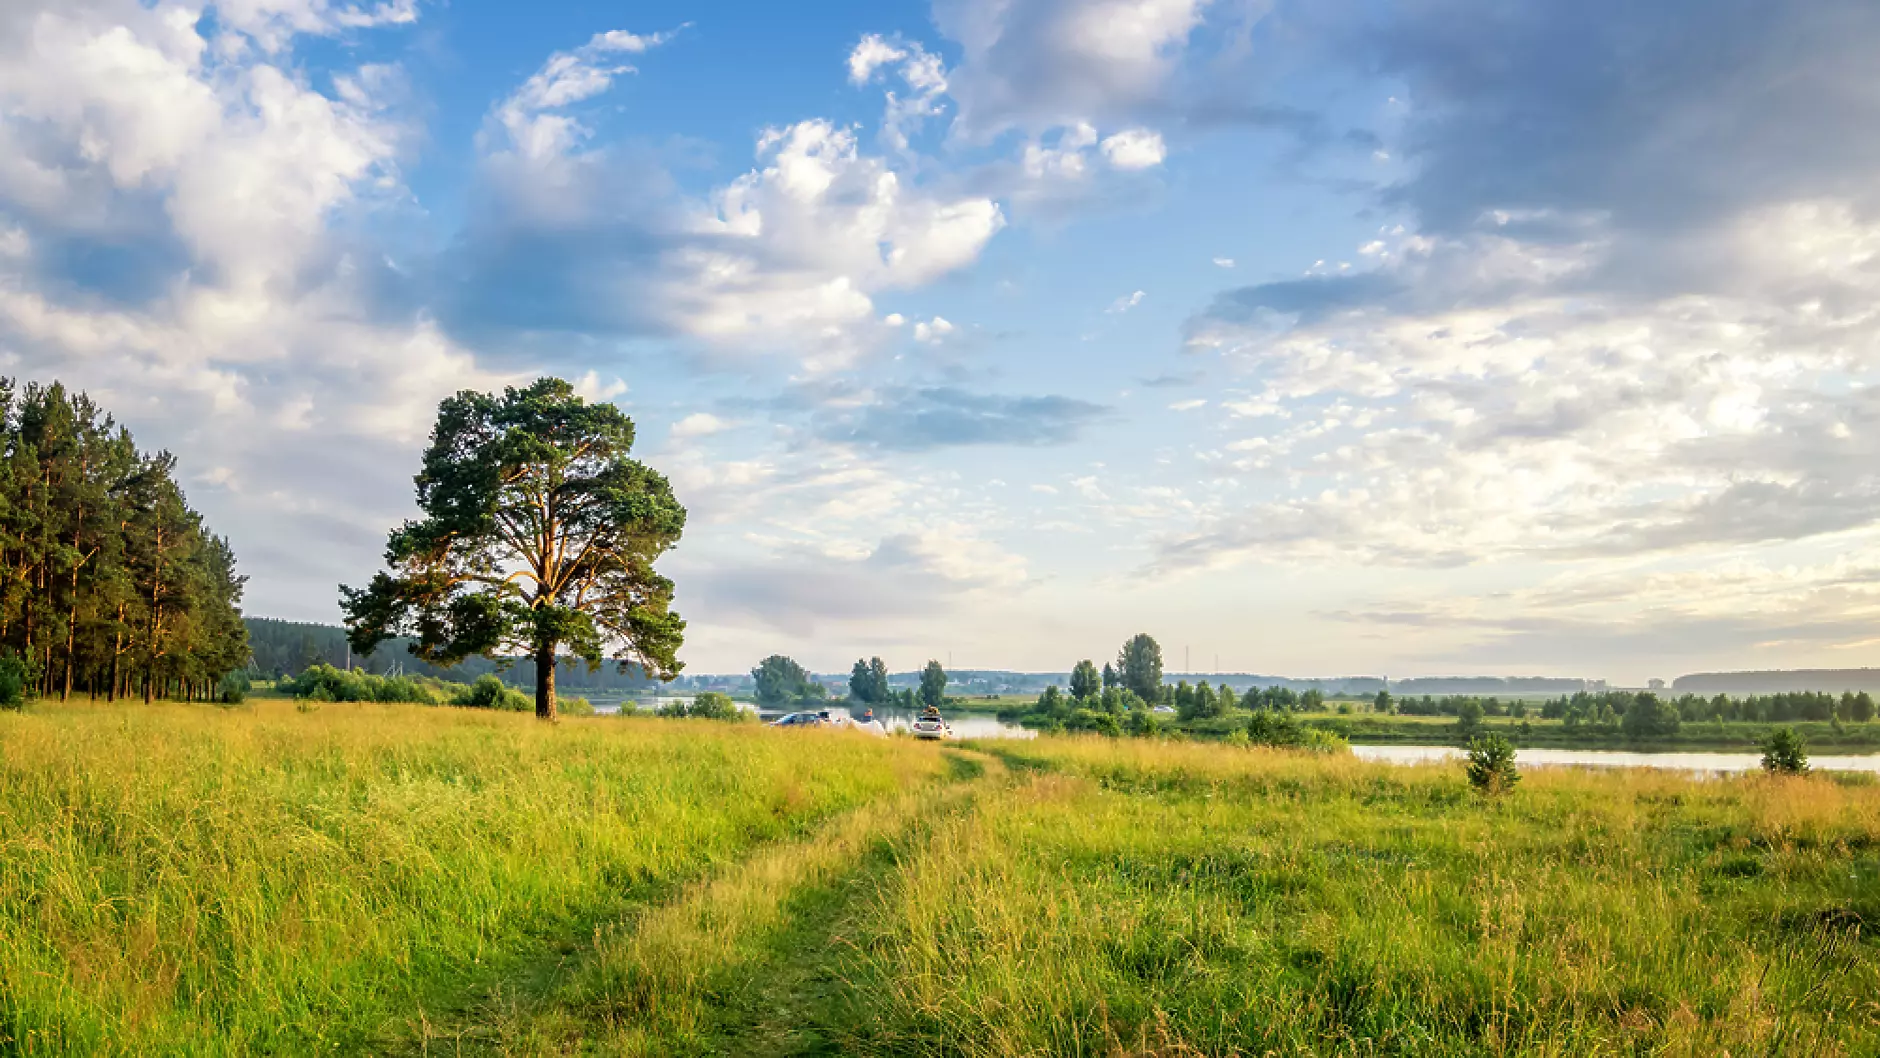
(109, 582)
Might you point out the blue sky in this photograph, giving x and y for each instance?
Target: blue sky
(1407, 338)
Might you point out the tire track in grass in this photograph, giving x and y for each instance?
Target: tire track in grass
(736, 963)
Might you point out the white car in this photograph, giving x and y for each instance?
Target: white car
(931, 727)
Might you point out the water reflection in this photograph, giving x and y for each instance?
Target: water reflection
(1705, 763)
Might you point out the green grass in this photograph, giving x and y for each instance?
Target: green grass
(196, 880)
(387, 880)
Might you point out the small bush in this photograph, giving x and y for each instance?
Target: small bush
(234, 688)
(576, 706)
(707, 705)
(1268, 727)
(1785, 752)
(1490, 766)
(14, 679)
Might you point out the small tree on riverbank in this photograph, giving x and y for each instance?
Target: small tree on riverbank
(1491, 768)
(1785, 752)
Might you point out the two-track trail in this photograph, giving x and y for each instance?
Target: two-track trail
(746, 961)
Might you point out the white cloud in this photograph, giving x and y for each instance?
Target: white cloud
(872, 53)
(933, 331)
(1125, 303)
(1134, 149)
(527, 117)
(700, 424)
(1223, 262)
(1474, 401)
(1187, 405)
(1039, 64)
(590, 387)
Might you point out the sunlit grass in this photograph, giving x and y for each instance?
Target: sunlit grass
(1184, 899)
(196, 880)
(390, 879)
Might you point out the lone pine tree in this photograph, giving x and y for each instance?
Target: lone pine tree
(538, 536)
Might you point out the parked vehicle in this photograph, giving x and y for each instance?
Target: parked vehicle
(816, 719)
(932, 726)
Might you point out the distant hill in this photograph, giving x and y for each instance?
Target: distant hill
(1488, 686)
(1770, 681)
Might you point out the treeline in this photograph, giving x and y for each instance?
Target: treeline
(1847, 707)
(283, 649)
(109, 581)
(324, 683)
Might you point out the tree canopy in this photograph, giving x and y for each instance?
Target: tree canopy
(1085, 683)
(933, 685)
(779, 679)
(868, 681)
(1139, 666)
(538, 535)
(108, 578)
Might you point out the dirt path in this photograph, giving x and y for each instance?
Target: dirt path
(745, 962)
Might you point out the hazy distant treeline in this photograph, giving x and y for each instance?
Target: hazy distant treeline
(1832, 681)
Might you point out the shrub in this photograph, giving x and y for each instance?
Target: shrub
(1469, 714)
(490, 692)
(1490, 766)
(707, 705)
(14, 679)
(1268, 727)
(234, 688)
(1785, 751)
(1318, 740)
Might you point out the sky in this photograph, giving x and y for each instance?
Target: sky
(1312, 337)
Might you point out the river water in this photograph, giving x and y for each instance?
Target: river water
(1705, 763)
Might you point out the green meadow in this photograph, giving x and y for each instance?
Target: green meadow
(378, 879)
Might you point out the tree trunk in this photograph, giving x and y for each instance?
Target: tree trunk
(545, 682)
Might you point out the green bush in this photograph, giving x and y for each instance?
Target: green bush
(707, 705)
(14, 679)
(490, 692)
(1785, 752)
(234, 688)
(1269, 727)
(1490, 766)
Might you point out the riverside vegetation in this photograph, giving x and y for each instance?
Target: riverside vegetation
(365, 878)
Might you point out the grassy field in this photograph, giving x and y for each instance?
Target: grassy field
(387, 880)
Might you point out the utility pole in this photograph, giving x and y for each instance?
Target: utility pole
(1188, 668)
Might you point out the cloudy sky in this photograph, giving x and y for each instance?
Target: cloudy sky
(1312, 336)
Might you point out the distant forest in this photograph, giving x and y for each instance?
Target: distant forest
(1829, 681)
(286, 648)
(109, 581)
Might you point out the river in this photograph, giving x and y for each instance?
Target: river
(1703, 763)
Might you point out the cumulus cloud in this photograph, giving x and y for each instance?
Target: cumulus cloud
(700, 424)
(530, 118)
(1610, 328)
(786, 258)
(173, 184)
(1040, 64)
(1134, 149)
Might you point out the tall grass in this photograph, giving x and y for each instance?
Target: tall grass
(194, 880)
(1140, 898)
